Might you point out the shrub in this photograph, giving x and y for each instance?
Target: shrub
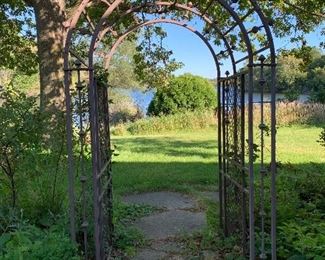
(300, 195)
(180, 121)
(119, 129)
(20, 134)
(184, 93)
(32, 165)
(301, 239)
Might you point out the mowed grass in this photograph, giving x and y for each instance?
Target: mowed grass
(181, 161)
(298, 145)
(187, 161)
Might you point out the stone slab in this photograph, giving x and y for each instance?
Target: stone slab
(150, 254)
(170, 224)
(164, 199)
(170, 247)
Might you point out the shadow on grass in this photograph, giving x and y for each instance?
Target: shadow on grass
(169, 146)
(152, 176)
(298, 185)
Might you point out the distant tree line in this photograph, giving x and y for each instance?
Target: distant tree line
(299, 71)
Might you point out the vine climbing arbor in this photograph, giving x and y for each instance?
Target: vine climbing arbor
(246, 122)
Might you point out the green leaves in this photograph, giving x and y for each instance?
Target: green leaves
(302, 240)
(316, 79)
(184, 93)
(122, 65)
(17, 44)
(291, 76)
(30, 242)
(154, 63)
(18, 114)
(20, 132)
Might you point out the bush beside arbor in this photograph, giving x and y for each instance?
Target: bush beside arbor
(183, 93)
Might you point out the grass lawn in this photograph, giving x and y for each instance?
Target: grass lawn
(180, 161)
(187, 161)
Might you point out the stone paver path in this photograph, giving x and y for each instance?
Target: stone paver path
(179, 215)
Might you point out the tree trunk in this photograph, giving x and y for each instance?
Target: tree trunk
(50, 15)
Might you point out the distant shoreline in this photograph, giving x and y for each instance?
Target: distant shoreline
(142, 98)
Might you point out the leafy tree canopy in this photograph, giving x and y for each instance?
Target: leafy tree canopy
(17, 42)
(291, 75)
(316, 79)
(154, 63)
(120, 69)
(292, 18)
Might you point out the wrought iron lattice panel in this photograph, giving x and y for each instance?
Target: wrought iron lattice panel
(102, 174)
(105, 174)
(233, 164)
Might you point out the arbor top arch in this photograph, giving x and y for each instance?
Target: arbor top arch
(226, 23)
(116, 44)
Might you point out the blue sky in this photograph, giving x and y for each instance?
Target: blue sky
(189, 49)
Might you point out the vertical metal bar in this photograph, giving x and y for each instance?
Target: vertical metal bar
(242, 159)
(262, 167)
(220, 154)
(83, 178)
(236, 169)
(67, 79)
(251, 165)
(227, 90)
(227, 123)
(109, 171)
(235, 109)
(95, 160)
(98, 107)
(224, 158)
(273, 125)
(273, 162)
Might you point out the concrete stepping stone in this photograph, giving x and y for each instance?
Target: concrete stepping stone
(171, 223)
(164, 199)
(162, 249)
(162, 229)
(170, 247)
(150, 254)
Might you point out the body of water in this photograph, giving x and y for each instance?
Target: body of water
(143, 98)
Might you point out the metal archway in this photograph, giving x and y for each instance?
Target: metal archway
(242, 189)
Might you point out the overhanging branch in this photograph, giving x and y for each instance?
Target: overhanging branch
(304, 10)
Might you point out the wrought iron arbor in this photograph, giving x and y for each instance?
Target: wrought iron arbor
(246, 131)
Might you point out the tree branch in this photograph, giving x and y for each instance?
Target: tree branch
(304, 10)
